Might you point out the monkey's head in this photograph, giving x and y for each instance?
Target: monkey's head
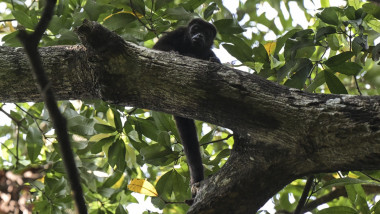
(201, 33)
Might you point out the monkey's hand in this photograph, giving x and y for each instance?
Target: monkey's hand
(195, 188)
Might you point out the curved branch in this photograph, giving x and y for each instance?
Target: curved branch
(30, 43)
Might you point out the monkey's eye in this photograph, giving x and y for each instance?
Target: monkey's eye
(195, 28)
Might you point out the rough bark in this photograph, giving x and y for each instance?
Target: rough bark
(280, 133)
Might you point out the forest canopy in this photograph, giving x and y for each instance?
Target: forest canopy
(121, 149)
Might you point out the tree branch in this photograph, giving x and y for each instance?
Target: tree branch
(280, 134)
(30, 42)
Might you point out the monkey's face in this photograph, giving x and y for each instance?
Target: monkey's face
(201, 37)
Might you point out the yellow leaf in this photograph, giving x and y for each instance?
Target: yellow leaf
(111, 117)
(142, 186)
(118, 184)
(138, 15)
(42, 180)
(270, 47)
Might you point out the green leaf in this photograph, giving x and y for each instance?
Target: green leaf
(158, 202)
(98, 146)
(55, 24)
(163, 121)
(301, 71)
(34, 143)
(116, 155)
(374, 24)
(338, 210)
(228, 26)
(260, 54)
(158, 155)
(164, 139)
(100, 128)
(164, 186)
(339, 59)
(207, 137)
(179, 186)
(112, 179)
(178, 13)
(138, 6)
(350, 13)
(120, 20)
(172, 182)
(78, 124)
(376, 53)
(357, 197)
(237, 53)
(360, 43)
(120, 210)
(348, 68)
(376, 208)
(24, 19)
(281, 41)
(146, 127)
(116, 120)
(191, 5)
(334, 84)
(325, 3)
(333, 42)
(354, 3)
(329, 16)
(347, 181)
(292, 67)
(93, 10)
(222, 154)
(323, 32)
(292, 46)
(318, 81)
(210, 10)
(161, 3)
(372, 9)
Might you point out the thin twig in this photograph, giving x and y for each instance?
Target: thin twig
(357, 85)
(35, 120)
(43, 193)
(137, 17)
(372, 178)
(10, 116)
(17, 143)
(26, 112)
(220, 140)
(9, 150)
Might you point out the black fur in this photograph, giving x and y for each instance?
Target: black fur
(194, 40)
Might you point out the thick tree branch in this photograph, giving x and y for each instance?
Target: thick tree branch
(280, 134)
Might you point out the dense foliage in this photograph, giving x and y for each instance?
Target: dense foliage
(337, 53)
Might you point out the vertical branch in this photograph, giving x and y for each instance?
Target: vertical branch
(17, 143)
(305, 193)
(30, 42)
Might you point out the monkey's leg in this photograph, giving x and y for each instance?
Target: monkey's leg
(188, 134)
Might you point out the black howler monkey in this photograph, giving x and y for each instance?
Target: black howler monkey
(194, 40)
